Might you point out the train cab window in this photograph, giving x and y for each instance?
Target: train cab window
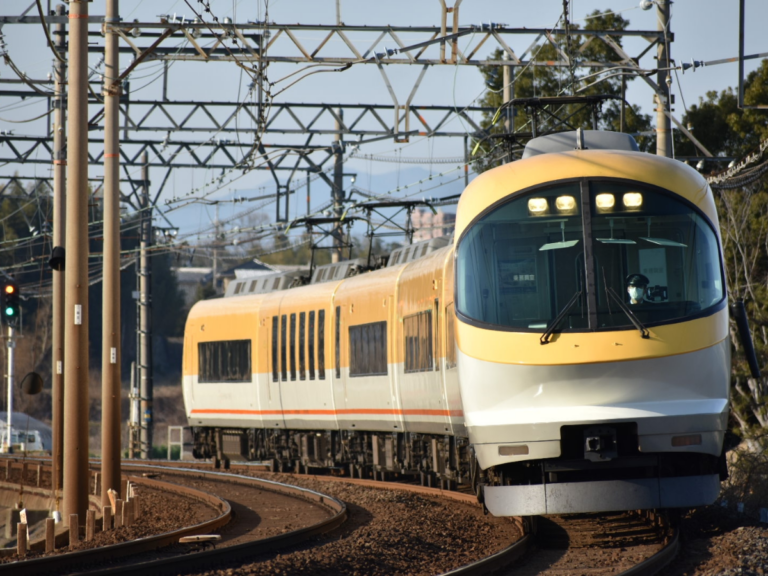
(224, 361)
(523, 262)
(660, 245)
(321, 344)
(417, 331)
(368, 349)
(337, 341)
(311, 342)
(283, 351)
(302, 348)
(293, 347)
(275, 332)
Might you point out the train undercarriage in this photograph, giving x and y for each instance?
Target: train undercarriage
(444, 461)
(578, 480)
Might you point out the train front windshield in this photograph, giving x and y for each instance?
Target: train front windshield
(532, 258)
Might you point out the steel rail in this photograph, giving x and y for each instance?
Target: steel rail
(661, 559)
(198, 560)
(58, 562)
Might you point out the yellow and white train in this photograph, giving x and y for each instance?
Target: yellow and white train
(567, 351)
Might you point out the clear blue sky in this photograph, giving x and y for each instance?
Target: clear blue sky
(703, 29)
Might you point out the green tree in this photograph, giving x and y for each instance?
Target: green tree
(725, 130)
(721, 127)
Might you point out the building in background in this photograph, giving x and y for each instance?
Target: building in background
(428, 225)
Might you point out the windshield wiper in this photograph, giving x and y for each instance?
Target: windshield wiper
(559, 318)
(631, 315)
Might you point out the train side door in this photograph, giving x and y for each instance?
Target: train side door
(270, 393)
(393, 326)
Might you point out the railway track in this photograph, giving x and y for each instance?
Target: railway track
(585, 544)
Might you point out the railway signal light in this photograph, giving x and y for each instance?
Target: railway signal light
(10, 303)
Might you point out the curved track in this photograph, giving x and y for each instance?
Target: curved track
(88, 561)
(584, 544)
(556, 538)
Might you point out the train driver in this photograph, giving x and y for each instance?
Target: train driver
(637, 286)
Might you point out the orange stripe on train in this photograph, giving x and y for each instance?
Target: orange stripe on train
(345, 412)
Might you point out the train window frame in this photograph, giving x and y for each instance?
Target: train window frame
(321, 344)
(292, 347)
(418, 342)
(302, 345)
(591, 279)
(337, 341)
(275, 351)
(368, 349)
(450, 337)
(283, 350)
(311, 345)
(211, 356)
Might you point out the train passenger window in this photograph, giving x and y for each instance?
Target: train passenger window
(283, 351)
(293, 347)
(311, 341)
(321, 344)
(417, 330)
(224, 361)
(253, 285)
(338, 342)
(450, 337)
(302, 348)
(275, 331)
(368, 349)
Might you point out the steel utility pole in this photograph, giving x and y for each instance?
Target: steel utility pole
(506, 76)
(145, 316)
(76, 281)
(663, 79)
(110, 333)
(338, 188)
(59, 214)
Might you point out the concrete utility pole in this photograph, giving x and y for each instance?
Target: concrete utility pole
(76, 282)
(145, 316)
(338, 188)
(663, 123)
(110, 333)
(59, 214)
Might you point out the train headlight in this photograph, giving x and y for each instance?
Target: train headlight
(632, 200)
(538, 206)
(565, 203)
(605, 201)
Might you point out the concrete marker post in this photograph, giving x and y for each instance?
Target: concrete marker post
(118, 513)
(74, 531)
(21, 539)
(90, 525)
(106, 521)
(50, 535)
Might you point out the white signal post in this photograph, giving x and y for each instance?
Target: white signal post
(11, 346)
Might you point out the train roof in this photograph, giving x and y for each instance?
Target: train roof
(335, 272)
(563, 164)
(580, 140)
